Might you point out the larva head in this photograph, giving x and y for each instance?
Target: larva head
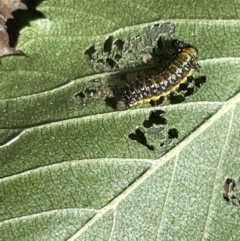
(181, 46)
(191, 50)
(188, 53)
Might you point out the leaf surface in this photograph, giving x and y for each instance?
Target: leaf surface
(73, 170)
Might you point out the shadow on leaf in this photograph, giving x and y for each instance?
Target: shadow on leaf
(21, 19)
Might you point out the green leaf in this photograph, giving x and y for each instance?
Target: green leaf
(72, 168)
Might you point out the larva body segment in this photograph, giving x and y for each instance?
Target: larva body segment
(182, 67)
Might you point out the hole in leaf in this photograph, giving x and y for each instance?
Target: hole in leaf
(172, 133)
(111, 63)
(100, 61)
(107, 47)
(162, 144)
(140, 137)
(80, 95)
(111, 101)
(200, 81)
(155, 118)
(90, 91)
(90, 52)
(176, 99)
(227, 188)
(117, 57)
(160, 44)
(158, 102)
(231, 191)
(119, 43)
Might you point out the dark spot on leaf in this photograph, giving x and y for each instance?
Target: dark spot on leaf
(162, 144)
(107, 47)
(231, 191)
(163, 147)
(160, 43)
(80, 95)
(111, 101)
(200, 81)
(90, 52)
(119, 43)
(156, 117)
(111, 63)
(176, 99)
(158, 102)
(90, 91)
(100, 61)
(172, 133)
(226, 188)
(117, 57)
(139, 136)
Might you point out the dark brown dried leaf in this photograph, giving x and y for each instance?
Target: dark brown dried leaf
(6, 9)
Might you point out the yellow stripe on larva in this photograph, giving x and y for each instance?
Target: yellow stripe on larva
(166, 82)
